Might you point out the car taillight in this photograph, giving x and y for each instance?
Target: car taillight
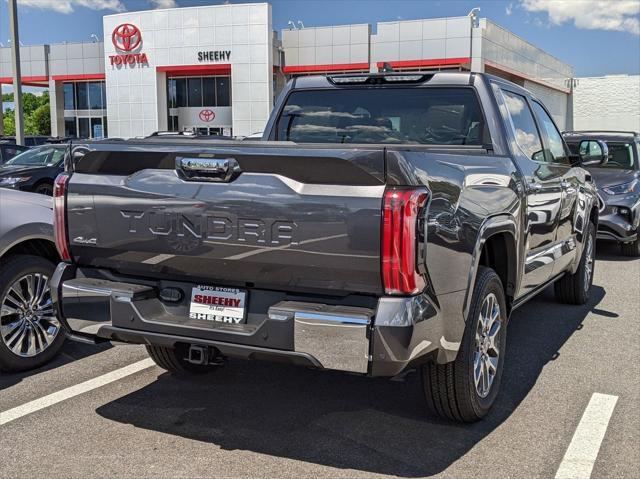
(400, 218)
(60, 216)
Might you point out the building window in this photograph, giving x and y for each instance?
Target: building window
(208, 91)
(70, 129)
(171, 93)
(223, 92)
(95, 96)
(105, 132)
(82, 96)
(194, 86)
(96, 128)
(103, 91)
(69, 100)
(181, 92)
(83, 127)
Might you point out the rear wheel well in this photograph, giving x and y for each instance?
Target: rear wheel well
(35, 247)
(499, 254)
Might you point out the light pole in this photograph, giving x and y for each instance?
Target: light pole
(17, 77)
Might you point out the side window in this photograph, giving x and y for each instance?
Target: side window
(524, 126)
(556, 153)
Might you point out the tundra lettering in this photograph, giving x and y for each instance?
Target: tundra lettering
(210, 227)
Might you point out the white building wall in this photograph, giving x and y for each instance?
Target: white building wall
(173, 37)
(334, 45)
(607, 103)
(431, 39)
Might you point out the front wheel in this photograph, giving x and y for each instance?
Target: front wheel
(44, 189)
(465, 389)
(574, 288)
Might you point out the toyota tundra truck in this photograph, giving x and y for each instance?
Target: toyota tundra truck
(385, 223)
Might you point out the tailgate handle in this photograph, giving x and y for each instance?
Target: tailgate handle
(208, 169)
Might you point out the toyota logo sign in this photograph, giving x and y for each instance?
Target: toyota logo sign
(126, 37)
(207, 115)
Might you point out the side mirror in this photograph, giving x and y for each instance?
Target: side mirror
(593, 153)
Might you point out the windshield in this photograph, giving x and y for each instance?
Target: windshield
(431, 116)
(38, 157)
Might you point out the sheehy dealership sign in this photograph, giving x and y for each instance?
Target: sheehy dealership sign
(127, 38)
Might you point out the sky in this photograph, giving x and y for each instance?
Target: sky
(596, 37)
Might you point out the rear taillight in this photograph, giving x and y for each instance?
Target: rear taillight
(400, 222)
(60, 216)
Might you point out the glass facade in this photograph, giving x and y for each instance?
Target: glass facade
(85, 105)
(206, 91)
(199, 91)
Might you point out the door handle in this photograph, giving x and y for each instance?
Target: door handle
(534, 187)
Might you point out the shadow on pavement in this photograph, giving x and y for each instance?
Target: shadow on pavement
(610, 251)
(340, 420)
(71, 351)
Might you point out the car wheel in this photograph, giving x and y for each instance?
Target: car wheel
(44, 189)
(30, 333)
(173, 360)
(574, 288)
(631, 249)
(465, 389)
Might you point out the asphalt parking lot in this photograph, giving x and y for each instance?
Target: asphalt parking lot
(269, 420)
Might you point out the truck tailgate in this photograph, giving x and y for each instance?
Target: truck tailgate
(288, 217)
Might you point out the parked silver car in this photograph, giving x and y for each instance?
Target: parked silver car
(30, 334)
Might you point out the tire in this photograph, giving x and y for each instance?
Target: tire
(574, 288)
(631, 249)
(30, 338)
(45, 188)
(450, 389)
(173, 360)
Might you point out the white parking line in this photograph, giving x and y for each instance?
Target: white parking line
(583, 450)
(59, 396)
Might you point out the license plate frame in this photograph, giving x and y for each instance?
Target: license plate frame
(218, 304)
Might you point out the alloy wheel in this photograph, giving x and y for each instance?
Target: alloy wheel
(487, 353)
(28, 324)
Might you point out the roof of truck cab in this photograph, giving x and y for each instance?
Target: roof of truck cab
(600, 135)
(323, 81)
(435, 78)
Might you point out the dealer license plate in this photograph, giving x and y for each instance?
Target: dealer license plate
(223, 305)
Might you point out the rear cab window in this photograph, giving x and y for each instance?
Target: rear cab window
(428, 116)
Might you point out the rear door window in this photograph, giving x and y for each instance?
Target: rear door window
(429, 116)
(556, 152)
(524, 126)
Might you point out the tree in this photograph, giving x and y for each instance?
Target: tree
(39, 122)
(37, 119)
(9, 123)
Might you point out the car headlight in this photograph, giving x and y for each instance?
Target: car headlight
(621, 189)
(13, 180)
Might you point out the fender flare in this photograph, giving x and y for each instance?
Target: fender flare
(496, 224)
(34, 231)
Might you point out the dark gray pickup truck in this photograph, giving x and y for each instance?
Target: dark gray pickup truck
(386, 222)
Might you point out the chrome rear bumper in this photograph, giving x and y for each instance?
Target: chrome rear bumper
(379, 340)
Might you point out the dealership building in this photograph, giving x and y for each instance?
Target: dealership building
(218, 69)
